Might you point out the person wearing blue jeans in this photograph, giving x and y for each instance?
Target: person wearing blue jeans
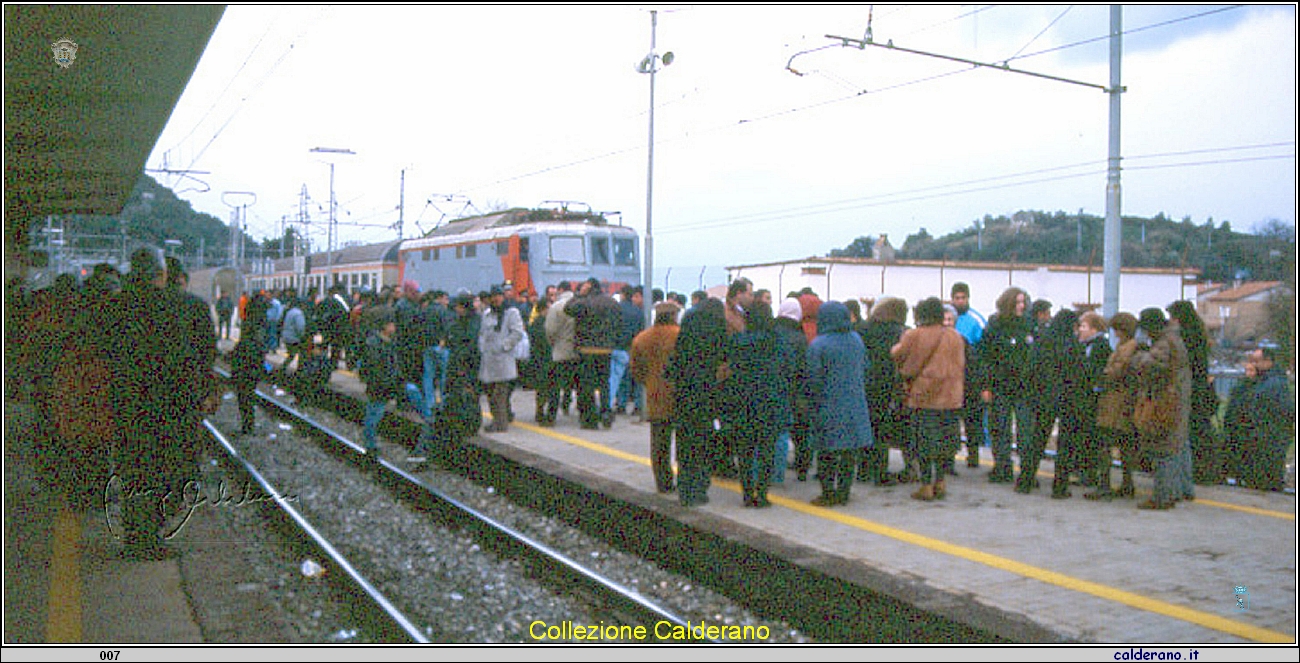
(435, 376)
(632, 317)
(782, 458)
(379, 372)
(618, 361)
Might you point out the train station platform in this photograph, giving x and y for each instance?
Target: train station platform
(68, 582)
(1219, 571)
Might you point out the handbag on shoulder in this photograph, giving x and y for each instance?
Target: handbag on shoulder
(1155, 411)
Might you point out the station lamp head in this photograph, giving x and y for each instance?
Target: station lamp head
(647, 63)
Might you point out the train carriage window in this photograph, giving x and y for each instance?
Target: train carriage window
(523, 249)
(625, 252)
(426, 255)
(435, 253)
(503, 247)
(471, 250)
(460, 252)
(600, 250)
(567, 250)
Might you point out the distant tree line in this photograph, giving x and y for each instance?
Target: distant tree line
(1217, 251)
(153, 215)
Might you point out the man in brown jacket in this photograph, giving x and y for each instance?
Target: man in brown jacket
(932, 361)
(651, 350)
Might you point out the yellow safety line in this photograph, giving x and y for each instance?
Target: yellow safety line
(1244, 509)
(1099, 590)
(1253, 510)
(63, 610)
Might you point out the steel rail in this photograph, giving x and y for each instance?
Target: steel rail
(589, 576)
(335, 557)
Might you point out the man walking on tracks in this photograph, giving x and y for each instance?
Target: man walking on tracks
(380, 371)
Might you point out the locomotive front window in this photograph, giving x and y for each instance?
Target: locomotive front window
(567, 250)
(600, 250)
(625, 252)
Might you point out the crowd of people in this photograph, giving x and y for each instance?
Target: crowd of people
(118, 371)
(743, 388)
(736, 385)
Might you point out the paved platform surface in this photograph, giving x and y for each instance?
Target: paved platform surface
(67, 581)
(1090, 572)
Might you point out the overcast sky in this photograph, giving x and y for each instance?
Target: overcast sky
(516, 105)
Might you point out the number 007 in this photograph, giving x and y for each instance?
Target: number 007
(109, 655)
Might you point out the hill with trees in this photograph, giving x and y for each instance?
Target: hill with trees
(1218, 251)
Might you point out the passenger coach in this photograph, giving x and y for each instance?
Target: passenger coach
(529, 248)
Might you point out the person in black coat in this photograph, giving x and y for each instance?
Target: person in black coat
(538, 368)
(164, 343)
(380, 370)
(1259, 423)
(1206, 464)
(1059, 358)
(881, 331)
(461, 415)
(790, 326)
(247, 362)
(1089, 383)
(1004, 369)
(762, 369)
(597, 325)
(693, 372)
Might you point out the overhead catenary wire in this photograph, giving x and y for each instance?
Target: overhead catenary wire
(938, 191)
(826, 102)
(608, 154)
(1127, 32)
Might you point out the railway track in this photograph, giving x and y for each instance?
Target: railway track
(699, 569)
(383, 621)
(579, 601)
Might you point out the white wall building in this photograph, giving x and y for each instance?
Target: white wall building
(868, 279)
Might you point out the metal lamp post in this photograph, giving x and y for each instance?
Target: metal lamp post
(650, 65)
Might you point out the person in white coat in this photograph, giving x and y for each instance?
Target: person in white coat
(501, 330)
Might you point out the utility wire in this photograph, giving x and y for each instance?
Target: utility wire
(1290, 143)
(962, 188)
(1041, 33)
(1129, 32)
(248, 58)
(954, 19)
(256, 87)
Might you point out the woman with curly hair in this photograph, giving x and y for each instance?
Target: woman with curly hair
(1005, 377)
